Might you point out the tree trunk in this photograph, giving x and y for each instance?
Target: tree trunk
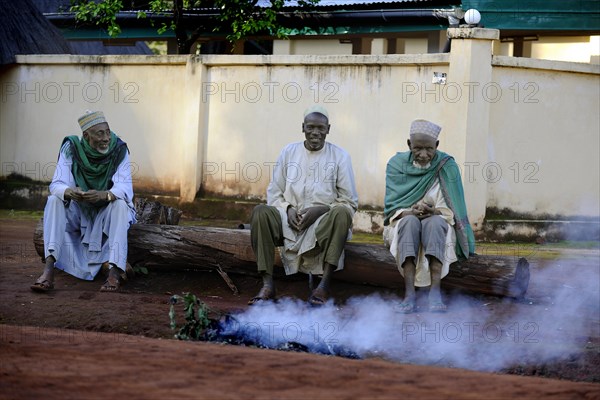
(152, 212)
(204, 248)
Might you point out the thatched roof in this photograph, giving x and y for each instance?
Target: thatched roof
(24, 30)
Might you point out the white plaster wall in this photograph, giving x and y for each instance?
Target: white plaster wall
(544, 146)
(42, 101)
(243, 109)
(310, 46)
(573, 48)
(256, 110)
(415, 45)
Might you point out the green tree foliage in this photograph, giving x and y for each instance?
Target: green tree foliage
(238, 19)
(103, 13)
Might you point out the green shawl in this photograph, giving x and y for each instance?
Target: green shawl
(92, 169)
(405, 185)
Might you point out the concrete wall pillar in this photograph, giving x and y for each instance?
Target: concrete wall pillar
(282, 47)
(379, 46)
(468, 126)
(194, 115)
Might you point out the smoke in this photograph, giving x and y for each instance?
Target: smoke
(478, 333)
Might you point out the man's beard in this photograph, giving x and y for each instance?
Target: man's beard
(417, 165)
(103, 151)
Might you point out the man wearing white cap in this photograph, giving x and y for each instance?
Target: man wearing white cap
(310, 204)
(90, 207)
(426, 225)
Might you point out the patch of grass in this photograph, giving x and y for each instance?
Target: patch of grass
(547, 251)
(571, 244)
(366, 238)
(527, 250)
(21, 214)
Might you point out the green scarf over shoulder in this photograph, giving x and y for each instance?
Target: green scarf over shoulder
(406, 184)
(92, 169)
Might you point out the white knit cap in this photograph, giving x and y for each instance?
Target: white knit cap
(425, 127)
(91, 118)
(316, 109)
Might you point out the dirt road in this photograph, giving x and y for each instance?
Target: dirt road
(76, 342)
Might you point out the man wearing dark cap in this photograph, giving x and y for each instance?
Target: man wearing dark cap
(90, 207)
(310, 204)
(426, 225)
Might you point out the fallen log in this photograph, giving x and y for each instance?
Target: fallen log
(206, 248)
(153, 212)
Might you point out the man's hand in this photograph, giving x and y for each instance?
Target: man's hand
(308, 216)
(91, 196)
(94, 196)
(423, 210)
(73, 194)
(293, 218)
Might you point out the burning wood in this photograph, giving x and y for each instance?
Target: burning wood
(228, 330)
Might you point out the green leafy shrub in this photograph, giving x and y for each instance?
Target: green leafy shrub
(195, 314)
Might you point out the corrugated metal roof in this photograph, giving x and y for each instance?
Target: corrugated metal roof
(330, 3)
(536, 15)
(98, 48)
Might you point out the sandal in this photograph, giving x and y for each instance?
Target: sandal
(405, 307)
(42, 286)
(111, 284)
(318, 297)
(438, 307)
(265, 294)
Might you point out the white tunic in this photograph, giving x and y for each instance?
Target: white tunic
(79, 244)
(302, 179)
(390, 237)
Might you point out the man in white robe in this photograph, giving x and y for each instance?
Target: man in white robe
(426, 225)
(90, 207)
(310, 204)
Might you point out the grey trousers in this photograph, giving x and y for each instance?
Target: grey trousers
(430, 233)
(266, 233)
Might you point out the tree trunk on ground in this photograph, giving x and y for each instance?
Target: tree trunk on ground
(205, 248)
(152, 212)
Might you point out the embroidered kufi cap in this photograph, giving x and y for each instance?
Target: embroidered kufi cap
(91, 118)
(425, 127)
(316, 109)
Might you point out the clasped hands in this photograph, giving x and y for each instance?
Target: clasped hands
(422, 210)
(300, 220)
(91, 196)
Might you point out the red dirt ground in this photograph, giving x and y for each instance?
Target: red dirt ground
(77, 342)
